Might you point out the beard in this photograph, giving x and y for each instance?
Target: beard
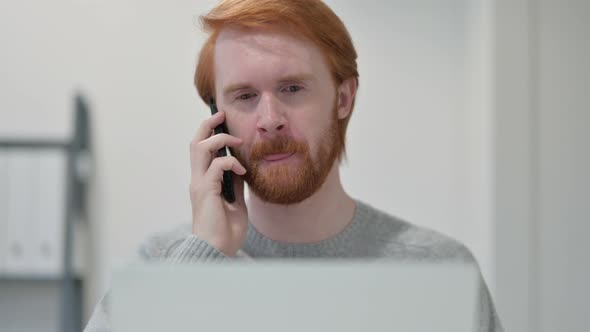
(292, 182)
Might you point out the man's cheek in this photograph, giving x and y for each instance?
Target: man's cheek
(243, 155)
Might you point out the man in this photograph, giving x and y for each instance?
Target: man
(284, 76)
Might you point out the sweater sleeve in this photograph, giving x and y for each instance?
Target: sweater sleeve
(99, 321)
(488, 318)
(191, 249)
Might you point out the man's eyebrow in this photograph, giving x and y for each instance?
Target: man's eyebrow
(288, 78)
(296, 78)
(235, 87)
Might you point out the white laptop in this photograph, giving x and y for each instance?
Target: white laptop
(295, 296)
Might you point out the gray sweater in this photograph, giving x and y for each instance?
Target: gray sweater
(372, 234)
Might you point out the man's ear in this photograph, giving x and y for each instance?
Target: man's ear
(346, 93)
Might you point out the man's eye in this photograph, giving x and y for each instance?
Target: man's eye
(246, 96)
(293, 88)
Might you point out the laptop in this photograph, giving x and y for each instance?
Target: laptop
(295, 296)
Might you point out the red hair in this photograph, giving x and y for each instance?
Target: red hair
(311, 18)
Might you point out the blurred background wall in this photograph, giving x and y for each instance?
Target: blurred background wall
(542, 113)
(478, 105)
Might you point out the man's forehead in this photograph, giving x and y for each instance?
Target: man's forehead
(273, 40)
(248, 57)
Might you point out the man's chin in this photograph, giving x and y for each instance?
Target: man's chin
(284, 189)
(283, 183)
(281, 198)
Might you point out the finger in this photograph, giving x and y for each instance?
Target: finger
(208, 125)
(214, 174)
(203, 152)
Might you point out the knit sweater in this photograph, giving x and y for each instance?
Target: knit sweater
(372, 234)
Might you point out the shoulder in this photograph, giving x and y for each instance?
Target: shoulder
(160, 245)
(400, 239)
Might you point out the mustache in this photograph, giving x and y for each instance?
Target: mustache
(281, 144)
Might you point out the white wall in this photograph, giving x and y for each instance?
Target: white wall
(514, 178)
(424, 97)
(563, 162)
(542, 158)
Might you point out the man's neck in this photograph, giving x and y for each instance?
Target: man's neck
(319, 217)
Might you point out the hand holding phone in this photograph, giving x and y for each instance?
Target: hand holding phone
(227, 188)
(219, 212)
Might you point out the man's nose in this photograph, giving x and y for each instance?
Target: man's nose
(271, 118)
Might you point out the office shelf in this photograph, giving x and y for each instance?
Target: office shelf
(64, 277)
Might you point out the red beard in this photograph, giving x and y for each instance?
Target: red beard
(293, 182)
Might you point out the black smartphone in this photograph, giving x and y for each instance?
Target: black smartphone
(227, 185)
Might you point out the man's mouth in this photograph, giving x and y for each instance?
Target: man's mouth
(277, 156)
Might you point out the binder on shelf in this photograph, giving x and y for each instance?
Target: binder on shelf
(22, 176)
(32, 220)
(49, 219)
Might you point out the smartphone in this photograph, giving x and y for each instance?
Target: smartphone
(227, 185)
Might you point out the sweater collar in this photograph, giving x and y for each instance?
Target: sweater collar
(259, 245)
